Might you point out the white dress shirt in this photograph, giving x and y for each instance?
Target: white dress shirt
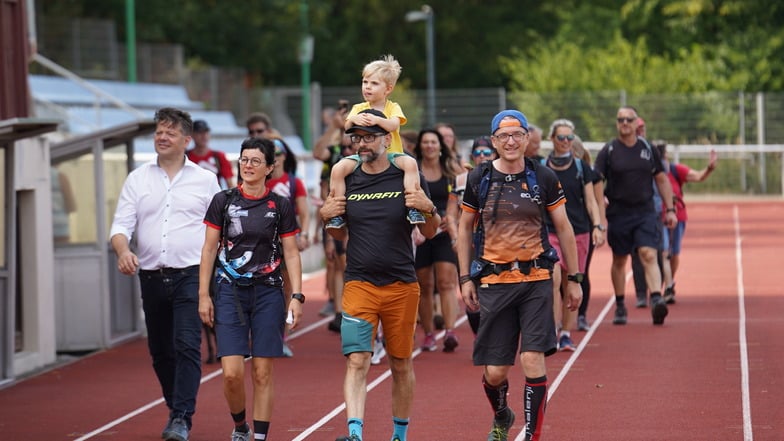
(166, 215)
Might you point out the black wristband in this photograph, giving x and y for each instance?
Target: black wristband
(298, 296)
(464, 279)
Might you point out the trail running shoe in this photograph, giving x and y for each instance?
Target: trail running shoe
(500, 429)
(328, 309)
(378, 353)
(450, 342)
(642, 301)
(336, 222)
(582, 323)
(565, 343)
(430, 343)
(658, 311)
(178, 430)
(334, 324)
(669, 295)
(241, 436)
(415, 216)
(620, 315)
(438, 321)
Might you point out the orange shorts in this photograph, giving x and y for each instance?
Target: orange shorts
(394, 305)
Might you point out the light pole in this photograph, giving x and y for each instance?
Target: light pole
(426, 14)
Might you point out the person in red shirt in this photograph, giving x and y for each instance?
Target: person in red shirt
(679, 175)
(212, 160)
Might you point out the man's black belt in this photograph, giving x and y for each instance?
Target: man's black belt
(165, 271)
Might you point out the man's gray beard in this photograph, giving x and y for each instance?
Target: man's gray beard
(371, 156)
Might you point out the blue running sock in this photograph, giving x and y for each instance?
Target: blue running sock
(355, 427)
(401, 428)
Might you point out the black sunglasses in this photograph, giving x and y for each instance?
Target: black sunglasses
(626, 120)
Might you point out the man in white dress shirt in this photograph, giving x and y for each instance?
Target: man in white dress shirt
(163, 202)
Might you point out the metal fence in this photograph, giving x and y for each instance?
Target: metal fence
(90, 48)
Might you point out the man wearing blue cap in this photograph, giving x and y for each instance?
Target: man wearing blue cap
(509, 266)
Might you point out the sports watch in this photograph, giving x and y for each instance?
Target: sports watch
(576, 277)
(298, 296)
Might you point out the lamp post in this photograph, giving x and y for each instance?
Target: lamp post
(426, 15)
(305, 55)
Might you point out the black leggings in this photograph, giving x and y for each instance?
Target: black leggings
(586, 285)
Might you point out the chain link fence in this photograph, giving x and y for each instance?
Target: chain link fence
(740, 122)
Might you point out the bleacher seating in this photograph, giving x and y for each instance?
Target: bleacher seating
(82, 112)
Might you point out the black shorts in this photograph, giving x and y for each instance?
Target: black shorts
(512, 316)
(340, 246)
(628, 231)
(437, 249)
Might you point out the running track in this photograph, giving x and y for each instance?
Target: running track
(714, 371)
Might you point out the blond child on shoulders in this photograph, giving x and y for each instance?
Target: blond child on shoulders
(378, 81)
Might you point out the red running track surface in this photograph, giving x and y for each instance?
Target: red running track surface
(714, 371)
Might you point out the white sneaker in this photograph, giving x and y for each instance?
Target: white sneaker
(378, 353)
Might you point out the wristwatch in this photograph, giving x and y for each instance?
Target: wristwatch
(576, 277)
(600, 227)
(298, 296)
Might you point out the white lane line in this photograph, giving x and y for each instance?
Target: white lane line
(583, 343)
(384, 375)
(573, 358)
(748, 434)
(205, 378)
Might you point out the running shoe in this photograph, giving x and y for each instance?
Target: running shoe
(328, 309)
(177, 430)
(349, 438)
(642, 302)
(241, 436)
(658, 310)
(430, 343)
(669, 295)
(565, 343)
(438, 321)
(582, 323)
(378, 353)
(334, 324)
(620, 315)
(500, 429)
(450, 342)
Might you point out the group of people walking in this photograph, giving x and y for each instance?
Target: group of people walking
(509, 234)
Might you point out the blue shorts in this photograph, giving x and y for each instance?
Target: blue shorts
(629, 231)
(674, 238)
(249, 320)
(514, 318)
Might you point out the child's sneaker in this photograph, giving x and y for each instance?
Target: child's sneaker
(414, 217)
(336, 222)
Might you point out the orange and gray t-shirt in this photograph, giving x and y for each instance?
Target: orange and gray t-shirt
(513, 220)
